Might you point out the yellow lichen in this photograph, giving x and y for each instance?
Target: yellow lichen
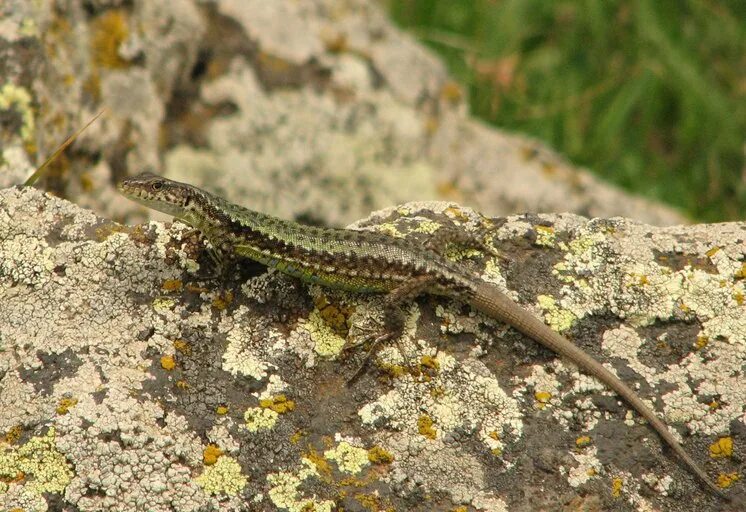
(712, 252)
(425, 426)
(369, 501)
(617, 485)
(109, 31)
(321, 465)
(543, 397)
(182, 346)
(378, 455)
(13, 435)
(221, 410)
(702, 341)
(451, 91)
(18, 98)
(429, 362)
(65, 404)
(335, 316)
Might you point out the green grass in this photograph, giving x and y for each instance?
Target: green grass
(649, 94)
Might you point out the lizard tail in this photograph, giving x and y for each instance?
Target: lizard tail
(491, 301)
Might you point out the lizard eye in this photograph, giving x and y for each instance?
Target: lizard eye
(156, 186)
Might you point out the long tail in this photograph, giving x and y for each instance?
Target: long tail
(496, 304)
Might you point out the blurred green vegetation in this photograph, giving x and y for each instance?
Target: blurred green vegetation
(649, 94)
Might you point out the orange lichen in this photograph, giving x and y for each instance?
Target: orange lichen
(725, 480)
(171, 285)
(322, 465)
(722, 448)
(280, 404)
(168, 363)
(583, 441)
(210, 454)
(222, 301)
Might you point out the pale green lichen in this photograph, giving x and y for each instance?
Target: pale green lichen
(286, 495)
(38, 465)
(350, 459)
(13, 96)
(558, 319)
(163, 304)
(326, 342)
(545, 236)
(427, 226)
(492, 272)
(390, 229)
(260, 418)
(29, 28)
(223, 477)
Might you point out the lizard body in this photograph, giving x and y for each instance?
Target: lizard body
(368, 262)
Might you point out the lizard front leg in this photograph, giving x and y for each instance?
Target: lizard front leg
(393, 318)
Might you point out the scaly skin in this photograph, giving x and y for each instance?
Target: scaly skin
(368, 262)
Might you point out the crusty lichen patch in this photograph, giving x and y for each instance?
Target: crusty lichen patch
(350, 459)
(260, 418)
(286, 494)
(18, 98)
(30, 470)
(466, 399)
(222, 477)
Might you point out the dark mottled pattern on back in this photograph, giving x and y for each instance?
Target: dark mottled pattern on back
(362, 261)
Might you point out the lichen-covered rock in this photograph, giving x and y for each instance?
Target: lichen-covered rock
(319, 109)
(130, 381)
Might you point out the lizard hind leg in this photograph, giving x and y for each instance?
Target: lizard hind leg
(393, 320)
(445, 235)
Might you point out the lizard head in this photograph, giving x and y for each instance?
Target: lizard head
(158, 193)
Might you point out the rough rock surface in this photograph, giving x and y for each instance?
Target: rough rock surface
(128, 383)
(319, 110)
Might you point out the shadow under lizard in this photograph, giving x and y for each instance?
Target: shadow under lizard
(368, 262)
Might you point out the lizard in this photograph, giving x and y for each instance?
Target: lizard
(370, 262)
